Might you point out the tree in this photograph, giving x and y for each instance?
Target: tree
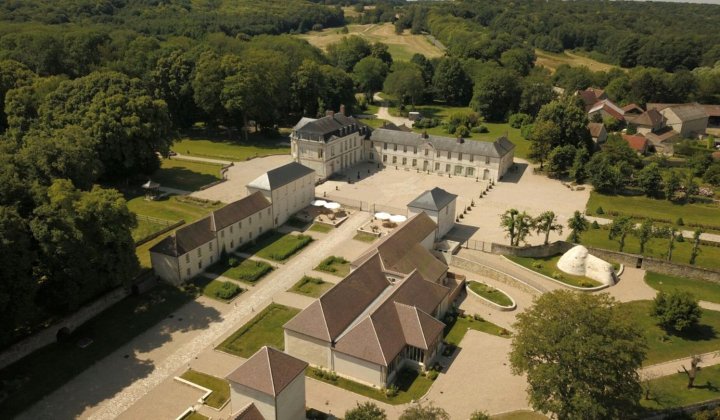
(451, 83)
(424, 412)
(561, 160)
(691, 187)
(644, 233)
(551, 346)
(672, 185)
(536, 92)
(12, 75)
(578, 169)
(369, 75)
(571, 120)
(509, 222)
(348, 51)
(606, 175)
(543, 135)
(671, 233)
(577, 224)
(546, 223)
(479, 415)
(650, 180)
(207, 84)
(172, 79)
(523, 227)
(519, 60)
(496, 94)
(712, 175)
(620, 228)
(696, 245)
(405, 83)
(676, 311)
(366, 411)
(694, 369)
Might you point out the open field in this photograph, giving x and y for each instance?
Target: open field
(640, 207)
(185, 174)
(657, 247)
(220, 387)
(218, 144)
(553, 60)
(401, 47)
(145, 228)
(702, 289)
(266, 329)
(663, 346)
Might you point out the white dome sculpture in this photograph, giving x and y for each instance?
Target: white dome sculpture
(578, 261)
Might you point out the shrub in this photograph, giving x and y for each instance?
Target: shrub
(525, 131)
(344, 30)
(432, 375)
(537, 264)
(317, 27)
(233, 262)
(599, 210)
(327, 263)
(676, 311)
(680, 238)
(595, 225)
(391, 392)
(518, 120)
(227, 291)
(557, 275)
(462, 131)
(477, 317)
(426, 123)
(479, 415)
(680, 221)
(480, 129)
(585, 283)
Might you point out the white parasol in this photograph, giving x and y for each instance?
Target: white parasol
(382, 215)
(319, 203)
(332, 206)
(398, 218)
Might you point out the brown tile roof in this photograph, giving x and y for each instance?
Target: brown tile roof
(636, 142)
(268, 371)
(249, 412)
(186, 239)
(329, 316)
(632, 109)
(662, 136)
(712, 110)
(239, 210)
(649, 118)
(658, 105)
(609, 107)
(591, 96)
(595, 129)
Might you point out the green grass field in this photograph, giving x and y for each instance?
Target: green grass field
(145, 228)
(277, 246)
(311, 286)
(663, 346)
(45, 370)
(220, 147)
(220, 387)
(548, 267)
(364, 237)
(702, 289)
(456, 330)
(185, 174)
(642, 207)
(265, 329)
(672, 391)
(553, 60)
(248, 271)
(657, 247)
(337, 266)
(490, 293)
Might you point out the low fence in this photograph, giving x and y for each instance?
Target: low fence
(155, 234)
(365, 206)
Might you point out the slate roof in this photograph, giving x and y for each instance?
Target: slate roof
(595, 129)
(650, 118)
(712, 110)
(269, 371)
(327, 127)
(276, 178)
(249, 412)
(435, 199)
(498, 148)
(186, 238)
(239, 210)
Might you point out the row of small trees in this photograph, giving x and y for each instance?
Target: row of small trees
(519, 225)
(623, 226)
(419, 411)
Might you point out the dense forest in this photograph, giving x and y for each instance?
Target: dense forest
(91, 91)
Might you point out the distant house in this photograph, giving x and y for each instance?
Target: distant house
(632, 109)
(607, 109)
(591, 96)
(439, 205)
(637, 142)
(193, 248)
(598, 133)
(649, 121)
(651, 124)
(688, 120)
(290, 188)
(270, 385)
(713, 113)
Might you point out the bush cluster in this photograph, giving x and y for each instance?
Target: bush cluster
(227, 291)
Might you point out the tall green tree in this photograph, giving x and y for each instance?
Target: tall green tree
(560, 160)
(172, 79)
(542, 136)
(547, 222)
(696, 245)
(509, 222)
(621, 227)
(405, 82)
(571, 120)
(12, 75)
(496, 94)
(348, 51)
(551, 344)
(577, 224)
(451, 83)
(369, 75)
(650, 180)
(644, 233)
(676, 311)
(672, 185)
(366, 411)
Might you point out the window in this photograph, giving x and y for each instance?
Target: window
(371, 156)
(260, 216)
(437, 166)
(472, 158)
(231, 228)
(394, 159)
(470, 171)
(372, 144)
(404, 149)
(414, 163)
(260, 230)
(188, 272)
(320, 153)
(447, 168)
(415, 150)
(332, 150)
(449, 154)
(458, 170)
(459, 156)
(447, 209)
(222, 233)
(200, 265)
(268, 212)
(395, 147)
(438, 153)
(384, 146)
(404, 161)
(199, 252)
(427, 152)
(487, 160)
(232, 243)
(210, 246)
(187, 258)
(250, 220)
(384, 158)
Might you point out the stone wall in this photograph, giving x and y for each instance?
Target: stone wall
(69, 323)
(492, 273)
(537, 251)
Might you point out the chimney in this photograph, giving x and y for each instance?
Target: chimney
(342, 109)
(329, 113)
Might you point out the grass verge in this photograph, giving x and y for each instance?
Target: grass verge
(223, 291)
(265, 329)
(277, 246)
(337, 266)
(702, 289)
(490, 293)
(364, 237)
(456, 329)
(311, 286)
(548, 266)
(672, 391)
(320, 227)
(220, 387)
(248, 271)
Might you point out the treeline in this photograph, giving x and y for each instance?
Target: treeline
(652, 34)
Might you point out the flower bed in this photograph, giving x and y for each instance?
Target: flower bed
(491, 294)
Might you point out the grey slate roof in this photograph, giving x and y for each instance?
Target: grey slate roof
(323, 129)
(269, 371)
(239, 210)
(186, 239)
(278, 177)
(689, 112)
(497, 148)
(434, 199)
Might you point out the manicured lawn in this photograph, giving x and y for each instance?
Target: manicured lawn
(663, 346)
(411, 386)
(172, 208)
(220, 387)
(657, 247)
(44, 371)
(277, 246)
(672, 391)
(248, 271)
(641, 207)
(548, 267)
(320, 227)
(185, 174)
(337, 266)
(194, 415)
(265, 329)
(145, 228)
(702, 289)
(311, 286)
(373, 122)
(490, 293)
(456, 330)
(223, 291)
(364, 237)
(218, 145)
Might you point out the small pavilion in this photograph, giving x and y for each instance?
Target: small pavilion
(152, 190)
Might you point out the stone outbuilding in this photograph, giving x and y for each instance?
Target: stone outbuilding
(270, 385)
(439, 205)
(290, 188)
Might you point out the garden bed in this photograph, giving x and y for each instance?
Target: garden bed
(220, 388)
(311, 286)
(548, 267)
(337, 266)
(248, 271)
(277, 246)
(488, 293)
(265, 329)
(365, 237)
(223, 291)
